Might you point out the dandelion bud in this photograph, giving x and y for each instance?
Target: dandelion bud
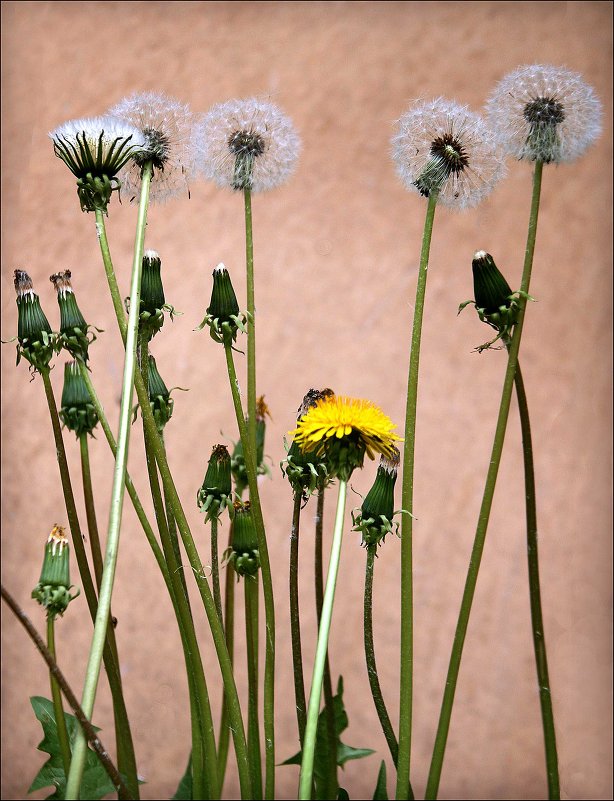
(36, 343)
(492, 292)
(374, 520)
(53, 588)
(159, 396)
(151, 317)
(73, 328)
(215, 492)
(306, 472)
(243, 555)
(239, 470)
(223, 316)
(77, 411)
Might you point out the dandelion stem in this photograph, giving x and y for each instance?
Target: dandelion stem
(251, 328)
(295, 621)
(253, 726)
(215, 569)
(229, 631)
(403, 789)
(90, 509)
(537, 621)
(306, 775)
(117, 492)
(489, 489)
(56, 695)
(376, 690)
(90, 732)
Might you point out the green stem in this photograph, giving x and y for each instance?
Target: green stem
(54, 670)
(120, 312)
(332, 782)
(489, 489)
(306, 776)
(90, 509)
(253, 725)
(403, 789)
(295, 622)
(215, 569)
(537, 620)
(376, 690)
(229, 631)
(56, 695)
(251, 328)
(117, 492)
(267, 584)
(123, 735)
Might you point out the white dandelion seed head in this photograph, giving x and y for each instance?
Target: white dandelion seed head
(97, 145)
(544, 113)
(167, 126)
(442, 145)
(246, 144)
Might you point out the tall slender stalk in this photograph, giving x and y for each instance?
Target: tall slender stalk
(90, 509)
(306, 775)
(253, 726)
(403, 789)
(537, 620)
(117, 492)
(229, 631)
(215, 569)
(295, 621)
(56, 695)
(487, 498)
(376, 690)
(251, 328)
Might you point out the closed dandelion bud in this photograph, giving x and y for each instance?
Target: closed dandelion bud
(53, 588)
(374, 520)
(243, 555)
(74, 335)
(492, 292)
(306, 472)
(36, 343)
(152, 295)
(159, 396)
(223, 316)
(77, 411)
(216, 490)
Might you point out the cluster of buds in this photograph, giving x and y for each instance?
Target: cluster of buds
(223, 316)
(306, 472)
(153, 303)
(374, 519)
(53, 588)
(75, 334)
(494, 302)
(243, 555)
(77, 411)
(239, 471)
(215, 493)
(35, 340)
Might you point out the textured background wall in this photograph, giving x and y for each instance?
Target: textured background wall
(336, 263)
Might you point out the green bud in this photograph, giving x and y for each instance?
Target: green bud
(215, 492)
(36, 343)
(53, 588)
(159, 396)
(243, 555)
(306, 472)
(77, 411)
(492, 292)
(238, 468)
(374, 520)
(152, 295)
(223, 316)
(74, 335)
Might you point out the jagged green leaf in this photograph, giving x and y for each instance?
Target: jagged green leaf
(95, 783)
(184, 791)
(381, 793)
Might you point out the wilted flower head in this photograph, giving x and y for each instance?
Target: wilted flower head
(246, 144)
(95, 150)
(166, 125)
(441, 146)
(544, 113)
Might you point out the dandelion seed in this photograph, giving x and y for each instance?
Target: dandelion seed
(246, 144)
(167, 127)
(441, 146)
(544, 113)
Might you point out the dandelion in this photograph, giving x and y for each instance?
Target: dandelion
(544, 113)
(95, 150)
(441, 146)
(247, 144)
(167, 125)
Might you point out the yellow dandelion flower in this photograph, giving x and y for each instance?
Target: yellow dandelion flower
(344, 429)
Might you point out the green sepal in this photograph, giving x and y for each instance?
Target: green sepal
(223, 315)
(381, 792)
(306, 472)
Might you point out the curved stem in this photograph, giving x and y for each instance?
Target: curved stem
(117, 492)
(90, 732)
(537, 620)
(90, 509)
(253, 725)
(306, 776)
(215, 569)
(295, 622)
(376, 690)
(56, 695)
(403, 789)
(487, 498)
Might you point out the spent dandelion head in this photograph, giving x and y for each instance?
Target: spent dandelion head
(246, 144)
(344, 429)
(445, 148)
(544, 113)
(35, 340)
(53, 589)
(75, 334)
(167, 128)
(215, 493)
